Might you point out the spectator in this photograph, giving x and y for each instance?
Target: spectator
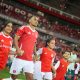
(71, 67)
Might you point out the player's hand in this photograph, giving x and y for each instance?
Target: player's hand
(20, 52)
(35, 58)
(54, 75)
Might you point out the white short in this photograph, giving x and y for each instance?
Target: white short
(38, 75)
(37, 70)
(18, 65)
(47, 75)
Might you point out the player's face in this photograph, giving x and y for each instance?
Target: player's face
(51, 44)
(66, 55)
(8, 28)
(34, 21)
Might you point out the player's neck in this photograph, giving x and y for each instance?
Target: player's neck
(65, 59)
(49, 48)
(32, 27)
(5, 33)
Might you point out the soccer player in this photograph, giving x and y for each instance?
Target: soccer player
(61, 66)
(5, 43)
(47, 55)
(25, 40)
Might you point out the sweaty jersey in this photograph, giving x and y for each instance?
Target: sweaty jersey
(5, 46)
(27, 41)
(61, 70)
(46, 57)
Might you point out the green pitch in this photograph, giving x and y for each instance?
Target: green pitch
(5, 74)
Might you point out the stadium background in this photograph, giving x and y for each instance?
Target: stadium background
(60, 18)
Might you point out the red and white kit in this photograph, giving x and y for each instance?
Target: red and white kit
(5, 46)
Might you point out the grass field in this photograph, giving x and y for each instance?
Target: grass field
(5, 74)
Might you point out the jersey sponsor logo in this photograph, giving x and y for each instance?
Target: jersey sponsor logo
(29, 32)
(36, 36)
(52, 55)
(45, 53)
(2, 40)
(62, 65)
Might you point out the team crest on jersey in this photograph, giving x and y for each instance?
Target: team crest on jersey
(36, 36)
(29, 32)
(45, 53)
(62, 65)
(2, 40)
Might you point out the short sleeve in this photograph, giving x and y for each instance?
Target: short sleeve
(11, 42)
(57, 65)
(39, 51)
(20, 31)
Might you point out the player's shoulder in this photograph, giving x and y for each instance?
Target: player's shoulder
(23, 26)
(36, 31)
(10, 37)
(40, 49)
(0, 33)
(54, 52)
(7, 37)
(44, 48)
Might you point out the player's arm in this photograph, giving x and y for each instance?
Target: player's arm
(18, 35)
(16, 39)
(57, 65)
(54, 71)
(53, 68)
(19, 51)
(35, 49)
(37, 54)
(13, 51)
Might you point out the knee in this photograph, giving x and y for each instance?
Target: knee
(13, 76)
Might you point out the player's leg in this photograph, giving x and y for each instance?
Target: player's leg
(29, 76)
(48, 76)
(16, 68)
(37, 71)
(13, 77)
(29, 69)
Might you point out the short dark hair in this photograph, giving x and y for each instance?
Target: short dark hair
(65, 51)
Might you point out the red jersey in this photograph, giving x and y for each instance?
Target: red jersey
(5, 46)
(61, 70)
(27, 41)
(46, 58)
